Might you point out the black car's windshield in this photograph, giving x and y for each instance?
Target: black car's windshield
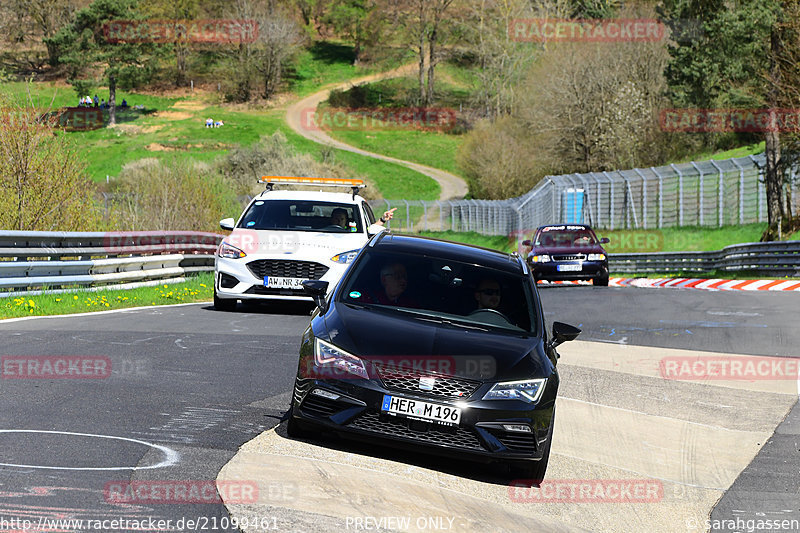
(302, 215)
(444, 290)
(565, 236)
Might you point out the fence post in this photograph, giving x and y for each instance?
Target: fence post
(660, 197)
(610, 201)
(680, 194)
(408, 216)
(741, 190)
(720, 197)
(700, 197)
(452, 217)
(758, 188)
(425, 215)
(644, 198)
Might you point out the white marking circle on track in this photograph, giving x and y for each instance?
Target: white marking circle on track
(170, 456)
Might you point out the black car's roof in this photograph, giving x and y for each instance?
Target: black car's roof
(412, 244)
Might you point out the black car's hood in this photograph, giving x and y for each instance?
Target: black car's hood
(389, 336)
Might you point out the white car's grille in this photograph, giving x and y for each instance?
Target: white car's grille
(287, 269)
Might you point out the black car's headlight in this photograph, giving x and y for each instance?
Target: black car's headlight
(230, 252)
(529, 390)
(328, 355)
(596, 257)
(540, 258)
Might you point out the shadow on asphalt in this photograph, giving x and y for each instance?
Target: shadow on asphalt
(269, 308)
(460, 466)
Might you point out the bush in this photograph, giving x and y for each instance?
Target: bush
(274, 156)
(43, 182)
(176, 194)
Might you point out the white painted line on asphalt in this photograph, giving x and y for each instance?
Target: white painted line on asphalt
(171, 457)
(93, 313)
(604, 406)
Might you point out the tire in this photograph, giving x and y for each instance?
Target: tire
(224, 304)
(295, 429)
(601, 282)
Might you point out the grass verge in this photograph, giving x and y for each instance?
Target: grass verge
(198, 288)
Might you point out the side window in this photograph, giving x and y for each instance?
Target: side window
(370, 215)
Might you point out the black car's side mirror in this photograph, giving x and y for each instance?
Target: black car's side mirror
(317, 289)
(605, 240)
(526, 242)
(563, 333)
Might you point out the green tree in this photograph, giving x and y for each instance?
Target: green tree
(744, 57)
(351, 19)
(87, 46)
(43, 182)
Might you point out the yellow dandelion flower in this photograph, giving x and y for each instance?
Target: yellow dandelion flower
(31, 303)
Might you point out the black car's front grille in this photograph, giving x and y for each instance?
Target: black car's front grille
(578, 257)
(287, 269)
(516, 442)
(391, 427)
(408, 380)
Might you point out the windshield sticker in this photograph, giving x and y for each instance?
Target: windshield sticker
(259, 203)
(355, 294)
(251, 223)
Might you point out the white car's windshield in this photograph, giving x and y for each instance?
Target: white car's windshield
(302, 215)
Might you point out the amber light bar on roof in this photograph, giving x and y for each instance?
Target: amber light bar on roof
(344, 182)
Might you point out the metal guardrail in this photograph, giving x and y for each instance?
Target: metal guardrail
(35, 261)
(768, 258)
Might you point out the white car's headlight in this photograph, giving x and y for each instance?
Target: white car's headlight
(596, 257)
(345, 257)
(529, 390)
(540, 258)
(230, 252)
(328, 355)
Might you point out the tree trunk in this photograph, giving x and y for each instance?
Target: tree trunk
(180, 63)
(112, 100)
(773, 179)
(422, 50)
(431, 61)
(773, 175)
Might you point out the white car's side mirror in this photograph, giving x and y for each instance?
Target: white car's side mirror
(374, 229)
(227, 223)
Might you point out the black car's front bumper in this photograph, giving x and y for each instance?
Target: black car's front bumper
(588, 270)
(480, 433)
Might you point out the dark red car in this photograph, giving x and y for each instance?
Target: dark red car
(568, 252)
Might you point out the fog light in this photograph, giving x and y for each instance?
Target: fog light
(519, 428)
(325, 394)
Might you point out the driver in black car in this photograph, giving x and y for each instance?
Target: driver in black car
(487, 294)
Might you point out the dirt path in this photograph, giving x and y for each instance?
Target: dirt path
(452, 186)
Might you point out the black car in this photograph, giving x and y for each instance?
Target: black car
(435, 346)
(568, 252)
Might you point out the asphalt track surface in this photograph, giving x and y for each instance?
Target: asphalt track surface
(190, 385)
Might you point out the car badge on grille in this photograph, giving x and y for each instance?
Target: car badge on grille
(426, 383)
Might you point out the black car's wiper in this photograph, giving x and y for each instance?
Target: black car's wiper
(440, 319)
